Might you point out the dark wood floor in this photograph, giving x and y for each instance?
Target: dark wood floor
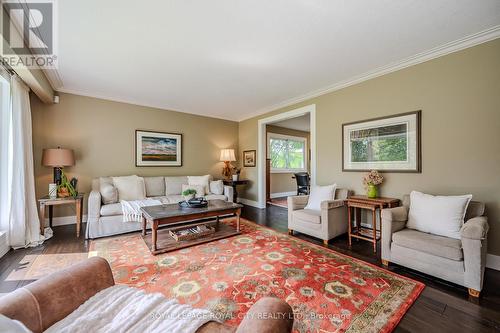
(442, 307)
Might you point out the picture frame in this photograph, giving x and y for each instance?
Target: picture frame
(249, 158)
(387, 144)
(154, 148)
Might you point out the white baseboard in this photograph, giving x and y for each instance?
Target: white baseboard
(64, 220)
(4, 247)
(250, 203)
(493, 262)
(283, 194)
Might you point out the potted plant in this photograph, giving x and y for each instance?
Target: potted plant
(371, 180)
(66, 188)
(189, 194)
(236, 175)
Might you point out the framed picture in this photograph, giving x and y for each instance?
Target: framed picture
(249, 157)
(158, 149)
(387, 144)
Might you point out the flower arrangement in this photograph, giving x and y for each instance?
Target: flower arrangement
(370, 181)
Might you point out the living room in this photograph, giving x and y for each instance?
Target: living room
(334, 172)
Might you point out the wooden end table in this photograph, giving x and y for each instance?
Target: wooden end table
(354, 205)
(46, 201)
(234, 184)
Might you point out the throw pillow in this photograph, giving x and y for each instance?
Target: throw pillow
(217, 187)
(200, 180)
(109, 193)
(200, 189)
(438, 215)
(320, 194)
(130, 187)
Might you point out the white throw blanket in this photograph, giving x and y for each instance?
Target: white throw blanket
(127, 309)
(132, 209)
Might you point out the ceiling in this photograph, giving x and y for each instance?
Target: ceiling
(233, 59)
(301, 123)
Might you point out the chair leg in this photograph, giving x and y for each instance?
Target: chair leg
(385, 262)
(290, 231)
(474, 292)
(325, 242)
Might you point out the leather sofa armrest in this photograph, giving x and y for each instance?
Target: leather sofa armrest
(475, 228)
(50, 299)
(267, 315)
(94, 207)
(330, 204)
(297, 202)
(228, 192)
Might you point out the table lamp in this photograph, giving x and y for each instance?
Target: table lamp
(58, 158)
(227, 156)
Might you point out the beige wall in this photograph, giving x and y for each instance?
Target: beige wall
(102, 134)
(283, 182)
(459, 95)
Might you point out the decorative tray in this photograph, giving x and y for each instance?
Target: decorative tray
(194, 203)
(192, 233)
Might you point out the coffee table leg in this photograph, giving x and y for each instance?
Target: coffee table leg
(154, 230)
(143, 226)
(238, 213)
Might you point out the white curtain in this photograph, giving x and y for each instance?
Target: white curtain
(23, 222)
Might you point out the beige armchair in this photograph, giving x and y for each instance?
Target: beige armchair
(461, 261)
(326, 224)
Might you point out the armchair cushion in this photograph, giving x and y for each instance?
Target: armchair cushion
(308, 216)
(440, 246)
(476, 228)
(111, 209)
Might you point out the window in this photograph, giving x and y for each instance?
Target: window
(287, 153)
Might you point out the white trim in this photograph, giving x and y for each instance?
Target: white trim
(493, 261)
(252, 203)
(262, 142)
(447, 48)
(64, 220)
(282, 194)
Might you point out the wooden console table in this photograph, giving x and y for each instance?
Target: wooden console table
(354, 206)
(233, 184)
(51, 202)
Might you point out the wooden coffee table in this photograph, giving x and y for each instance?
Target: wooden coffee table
(182, 218)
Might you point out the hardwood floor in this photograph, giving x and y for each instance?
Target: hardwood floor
(442, 307)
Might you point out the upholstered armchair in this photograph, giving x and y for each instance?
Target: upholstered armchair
(325, 224)
(461, 261)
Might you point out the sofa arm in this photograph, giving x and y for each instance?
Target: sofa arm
(475, 228)
(94, 206)
(297, 202)
(331, 204)
(228, 192)
(393, 219)
(46, 301)
(267, 315)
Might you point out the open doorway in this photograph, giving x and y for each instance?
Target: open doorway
(287, 147)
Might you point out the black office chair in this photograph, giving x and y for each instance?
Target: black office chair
(303, 183)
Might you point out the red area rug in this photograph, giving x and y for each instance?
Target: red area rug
(281, 202)
(328, 291)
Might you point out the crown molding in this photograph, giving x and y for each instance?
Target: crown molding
(451, 47)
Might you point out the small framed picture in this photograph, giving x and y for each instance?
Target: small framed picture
(158, 149)
(249, 157)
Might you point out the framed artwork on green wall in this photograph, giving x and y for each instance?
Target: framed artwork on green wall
(158, 149)
(386, 144)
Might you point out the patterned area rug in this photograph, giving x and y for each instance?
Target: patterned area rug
(328, 291)
(281, 202)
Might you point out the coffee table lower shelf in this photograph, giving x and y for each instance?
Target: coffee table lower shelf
(166, 243)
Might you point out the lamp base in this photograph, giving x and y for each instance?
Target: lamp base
(57, 175)
(227, 170)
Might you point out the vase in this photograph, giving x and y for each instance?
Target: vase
(236, 177)
(372, 191)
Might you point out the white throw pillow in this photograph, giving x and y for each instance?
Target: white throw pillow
(438, 215)
(200, 189)
(109, 193)
(130, 187)
(200, 180)
(320, 194)
(217, 187)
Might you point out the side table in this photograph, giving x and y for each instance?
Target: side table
(233, 184)
(51, 202)
(354, 205)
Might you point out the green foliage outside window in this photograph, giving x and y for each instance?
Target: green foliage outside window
(286, 153)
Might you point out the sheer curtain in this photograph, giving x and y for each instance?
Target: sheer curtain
(19, 210)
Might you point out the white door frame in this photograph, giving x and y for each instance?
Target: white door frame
(262, 142)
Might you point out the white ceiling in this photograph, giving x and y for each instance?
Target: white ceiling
(301, 123)
(233, 59)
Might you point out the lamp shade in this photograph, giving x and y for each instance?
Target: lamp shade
(227, 155)
(58, 157)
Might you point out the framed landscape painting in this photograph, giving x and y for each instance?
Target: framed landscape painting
(158, 149)
(249, 157)
(387, 144)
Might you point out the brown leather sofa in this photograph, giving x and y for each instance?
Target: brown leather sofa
(46, 301)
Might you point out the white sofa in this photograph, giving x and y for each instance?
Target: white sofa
(107, 219)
